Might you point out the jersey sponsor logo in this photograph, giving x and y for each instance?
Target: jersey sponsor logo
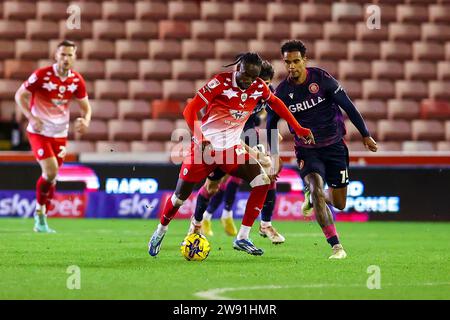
(213, 83)
(313, 88)
(32, 79)
(59, 102)
(244, 97)
(237, 114)
(256, 94)
(305, 105)
(230, 93)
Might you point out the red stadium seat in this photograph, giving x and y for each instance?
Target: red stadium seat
(378, 89)
(214, 66)
(90, 10)
(388, 11)
(443, 72)
(435, 32)
(26, 49)
(187, 69)
(390, 70)
(124, 130)
(141, 30)
(416, 90)
(95, 49)
(148, 146)
(389, 146)
(439, 13)
(131, 49)
(216, 11)
(407, 13)
(91, 69)
(19, 69)
(178, 89)
(447, 51)
(151, 10)
(75, 34)
(110, 89)
(353, 88)
(249, 11)
(282, 12)
(144, 89)
(447, 130)
(133, 109)
(7, 49)
(7, 109)
(157, 129)
(402, 109)
(330, 50)
(240, 30)
(315, 12)
(169, 29)
(117, 10)
(330, 66)
(267, 49)
(98, 130)
(353, 133)
(354, 70)
(305, 30)
(50, 10)
(428, 51)
(14, 10)
(112, 146)
(391, 50)
(197, 49)
(365, 34)
(183, 10)
(108, 30)
(346, 12)
(165, 49)
(434, 109)
(418, 146)
(42, 30)
(394, 130)
(372, 109)
(443, 146)
(80, 146)
(280, 69)
(103, 109)
(12, 29)
(415, 70)
(154, 69)
(355, 146)
(338, 31)
(166, 109)
(358, 50)
(228, 49)
(404, 32)
(121, 69)
(273, 30)
(432, 130)
(439, 90)
(209, 30)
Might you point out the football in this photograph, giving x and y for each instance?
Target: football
(195, 247)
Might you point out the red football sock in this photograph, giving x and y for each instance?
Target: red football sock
(51, 194)
(254, 204)
(42, 190)
(168, 212)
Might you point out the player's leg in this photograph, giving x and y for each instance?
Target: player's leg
(44, 189)
(226, 219)
(266, 229)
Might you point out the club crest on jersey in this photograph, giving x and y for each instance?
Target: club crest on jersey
(244, 97)
(62, 89)
(237, 114)
(213, 83)
(313, 88)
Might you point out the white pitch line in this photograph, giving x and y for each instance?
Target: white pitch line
(217, 293)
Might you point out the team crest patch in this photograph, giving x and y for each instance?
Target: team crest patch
(313, 88)
(185, 171)
(40, 152)
(213, 83)
(244, 97)
(62, 89)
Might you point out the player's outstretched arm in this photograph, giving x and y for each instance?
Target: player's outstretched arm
(22, 98)
(190, 115)
(82, 123)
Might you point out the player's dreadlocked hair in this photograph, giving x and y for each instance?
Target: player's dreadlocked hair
(294, 45)
(267, 71)
(246, 58)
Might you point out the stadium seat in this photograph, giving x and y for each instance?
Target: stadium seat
(144, 89)
(402, 109)
(439, 90)
(151, 10)
(267, 49)
(98, 49)
(330, 50)
(391, 50)
(315, 12)
(365, 34)
(166, 109)
(443, 146)
(178, 89)
(273, 30)
(240, 30)
(406, 32)
(407, 13)
(394, 130)
(447, 130)
(249, 11)
(346, 12)
(112, 146)
(389, 146)
(338, 31)
(124, 130)
(41, 30)
(415, 70)
(216, 11)
(26, 49)
(131, 49)
(12, 30)
(388, 11)
(355, 146)
(165, 49)
(187, 69)
(117, 10)
(354, 69)
(389, 70)
(353, 88)
(330, 66)
(228, 49)
(428, 51)
(8, 88)
(169, 29)
(197, 49)
(121, 69)
(372, 109)
(19, 69)
(141, 30)
(133, 109)
(154, 69)
(435, 32)
(157, 129)
(447, 51)
(111, 89)
(406, 89)
(181, 124)
(418, 146)
(209, 30)
(108, 30)
(434, 109)
(103, 109)
(75, 34)
(147, 146)
(178, 10)
(98, 130)
(7, 109)
(90, 10)
(14, 10)
(90, 69)
(282, 12)
(439, 13)
(353, 133)
(306, 30)
(358, 50)
(378, 89)
(7, 49)
(50, 10)
(214, 66)
(80, 146)
(432, 130)
(443, 70)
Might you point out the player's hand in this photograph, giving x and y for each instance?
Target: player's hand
(202, 143)
(36, 124)
(370, 144)
(309, 139)
(81, 125)
(277, 165)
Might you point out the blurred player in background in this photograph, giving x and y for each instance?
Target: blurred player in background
(230, 98)
(215, 189)
(313, 96)
(44, 99)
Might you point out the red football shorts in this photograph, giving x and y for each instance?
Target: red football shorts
(46, 147)
(197, 166)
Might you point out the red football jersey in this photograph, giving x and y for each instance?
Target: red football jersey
(51, 95)
(228, 108)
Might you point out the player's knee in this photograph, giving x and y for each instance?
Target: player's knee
(340, 204)
(176, 201)
(50, 175)
(212, 188)
(260, 180)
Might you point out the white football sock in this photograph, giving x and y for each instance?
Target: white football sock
(266, 224)
(162, 229)
(227, 214)
(244, 232)
(207, 215)
(40, 208)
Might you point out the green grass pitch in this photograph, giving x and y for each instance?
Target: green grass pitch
(413, 260)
